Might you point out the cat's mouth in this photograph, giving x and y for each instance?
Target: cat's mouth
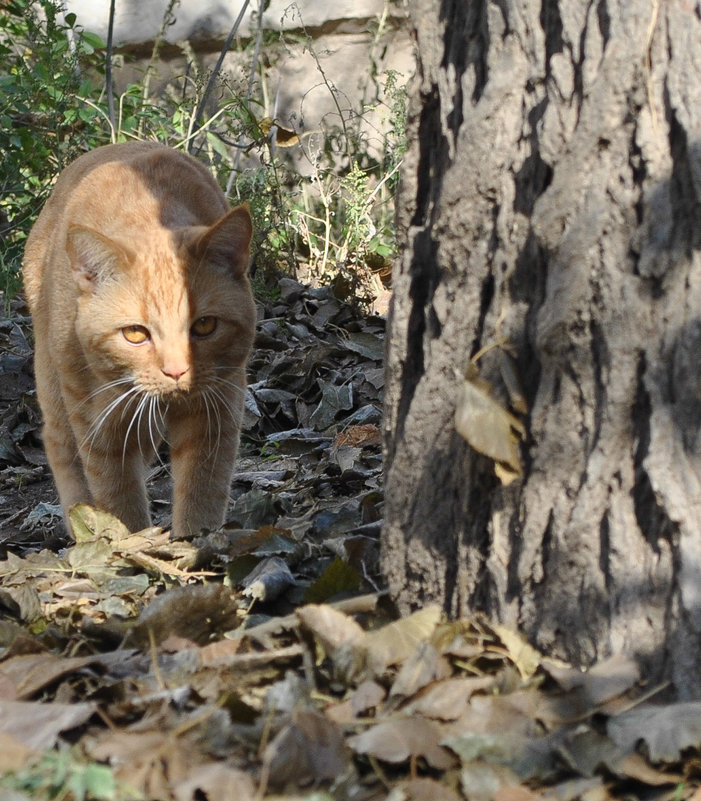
(176, 394)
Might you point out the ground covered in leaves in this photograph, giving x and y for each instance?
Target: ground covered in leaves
(264, 661)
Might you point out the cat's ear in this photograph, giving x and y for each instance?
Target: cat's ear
(225, 244)
(94, 257)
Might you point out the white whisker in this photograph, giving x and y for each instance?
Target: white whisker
(103, 388)
(224, 403)
(135, 418)
(96, 427)
(235, 385)
(154, 409)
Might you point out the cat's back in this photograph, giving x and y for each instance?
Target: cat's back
(128, 187)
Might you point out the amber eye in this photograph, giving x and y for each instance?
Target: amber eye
(204, 326)
(136, 334)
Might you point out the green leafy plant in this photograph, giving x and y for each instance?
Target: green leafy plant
(45, 67)
(60, 775)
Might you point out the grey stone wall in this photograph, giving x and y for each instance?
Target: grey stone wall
(137, 22)
(310, 46)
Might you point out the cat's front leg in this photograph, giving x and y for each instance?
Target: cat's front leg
(59, 440)
(203, 449)
(66, 466)
(115, 474)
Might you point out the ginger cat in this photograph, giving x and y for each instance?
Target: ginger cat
(136, 277)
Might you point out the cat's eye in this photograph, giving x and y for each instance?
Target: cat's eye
(136, 334)
(204, 326)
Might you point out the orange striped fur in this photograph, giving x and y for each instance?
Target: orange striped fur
(136, 277)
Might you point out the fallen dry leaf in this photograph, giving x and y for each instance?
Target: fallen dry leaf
(521, 652)
(515, 793)
(396, 641)
(89, 523)
(516, 713)
(448, 699)
(367, 697)
(268, 579)
(665, 730)
(358, 435)
(215, 781)
(13, 754)
(195, 611)
(635, 767)
(422, 667)
(147, 762)
(309, 748)
(36, 725)
(481, 781)
(425, 790)
(333, 629)
(29, 673)
(404, 738)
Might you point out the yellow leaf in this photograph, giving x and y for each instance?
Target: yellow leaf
(89, 522)
(521, 652)
(396, 641)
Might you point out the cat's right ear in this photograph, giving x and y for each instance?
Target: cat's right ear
(94, 257)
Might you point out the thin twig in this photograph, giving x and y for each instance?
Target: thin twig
(215, 73)
(249, 89)
(109, 83)
(167, 20)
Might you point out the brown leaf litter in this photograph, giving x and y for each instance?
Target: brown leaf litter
(263, 661)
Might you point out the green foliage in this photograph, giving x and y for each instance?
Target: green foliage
(44, 64)
(59, 775)
(334, 219)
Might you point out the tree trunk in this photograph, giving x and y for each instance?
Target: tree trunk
(550, 210)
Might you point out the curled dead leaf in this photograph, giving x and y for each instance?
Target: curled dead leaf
(524, 656)
(283, 137)
(88, 522)
(268, 579)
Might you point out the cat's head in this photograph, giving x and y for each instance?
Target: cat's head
(169, 309)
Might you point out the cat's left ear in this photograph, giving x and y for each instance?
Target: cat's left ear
(226, 244)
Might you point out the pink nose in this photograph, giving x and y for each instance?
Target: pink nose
(174, 371)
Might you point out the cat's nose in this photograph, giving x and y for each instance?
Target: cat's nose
(175, 371)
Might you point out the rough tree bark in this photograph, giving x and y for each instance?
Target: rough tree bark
(550, 210)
